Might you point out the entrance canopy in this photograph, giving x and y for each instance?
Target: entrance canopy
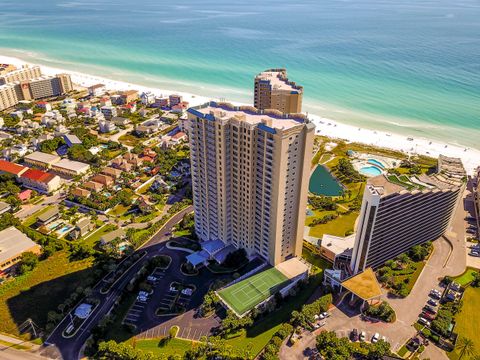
(364, 285)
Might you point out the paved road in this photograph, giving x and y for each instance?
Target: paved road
(30, 209)
(448, 258)
(69, 349)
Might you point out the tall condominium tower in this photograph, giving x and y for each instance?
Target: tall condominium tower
(396, 216)
(250, 171)
(274, 91)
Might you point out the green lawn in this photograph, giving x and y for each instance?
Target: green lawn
(95, 236)
(468, 319)
(33, 218)
(336, 227)
(129, 140)
(36, 293)
(466, 277)
(174, 347)
(118, 210)
(249, 292)
(315, 259)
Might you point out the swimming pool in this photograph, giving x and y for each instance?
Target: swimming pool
(323, 183)
(370, 171)
(64, 229)
(376, 162)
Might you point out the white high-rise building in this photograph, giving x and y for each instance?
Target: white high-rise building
(250, 173)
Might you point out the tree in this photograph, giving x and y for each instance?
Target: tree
(331, 347)
(378, 350)
(465, 346)
(232, 322)
(28, 262)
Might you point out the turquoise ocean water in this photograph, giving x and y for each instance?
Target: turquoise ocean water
(406, 66)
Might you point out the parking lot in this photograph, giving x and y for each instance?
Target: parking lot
(138, 307)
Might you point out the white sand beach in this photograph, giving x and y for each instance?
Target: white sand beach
(326, 127)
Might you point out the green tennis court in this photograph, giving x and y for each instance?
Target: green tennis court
(246, 294)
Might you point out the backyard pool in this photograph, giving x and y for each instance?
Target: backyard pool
(323, 183)
(370, 171)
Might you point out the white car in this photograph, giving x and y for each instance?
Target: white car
(375, 338)
(325, 314)
(424, 321)
(142, 298)
(363, 336)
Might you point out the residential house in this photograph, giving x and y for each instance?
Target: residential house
(4, 207)
(109, 237)
(94, 186)
(112, 172)
(108, 111)
(71, 140)
(128, 97)
(169, 118)
(147, 98)
(97, 90)
(44, 105)
(120, 121)
(178, 138)
(180, 107)
(121, 164)
(82, 227)
(106, 126)
(24, 195)
(174, 99)
(79, 192)
(48, 216)
(103, 179)
(160, 102)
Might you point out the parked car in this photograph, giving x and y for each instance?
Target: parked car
(474, 253)
(363, 336)
(430, 309)
(325, 314)
(427, 315)
(354, 335)
(151, 279)
(432, 302)
(423, 321)
(435, 294)
(375, 338)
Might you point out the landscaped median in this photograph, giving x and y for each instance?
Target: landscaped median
(121, 269)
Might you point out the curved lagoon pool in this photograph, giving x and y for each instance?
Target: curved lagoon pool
(370, 171)
(323, 183)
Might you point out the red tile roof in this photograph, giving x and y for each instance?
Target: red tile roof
(179, 135)
(25, 194)
(38, 175)
(11, 168)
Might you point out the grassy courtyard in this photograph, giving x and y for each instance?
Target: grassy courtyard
(173, 347)
(343, 224)
(467, 321)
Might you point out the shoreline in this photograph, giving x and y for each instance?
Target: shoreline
(325, 126)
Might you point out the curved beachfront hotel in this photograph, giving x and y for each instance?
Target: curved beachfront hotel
(395, 216)
(250, 171)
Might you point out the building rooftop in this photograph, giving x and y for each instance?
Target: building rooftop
(43, 157)
(11, 168)
(4, 205)
(364, 285)
(338, 244)
(72, 165)
(279, 81)
(73, 139)
(38, 175)
(119, 233)
(12, 243)
(48, 214)
(272, 119)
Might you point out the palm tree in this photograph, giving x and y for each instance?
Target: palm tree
(465, 346)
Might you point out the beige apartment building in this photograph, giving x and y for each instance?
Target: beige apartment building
(44, 87)
(8, 97)
(273, 90)
(24, 74)
(250, 171)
